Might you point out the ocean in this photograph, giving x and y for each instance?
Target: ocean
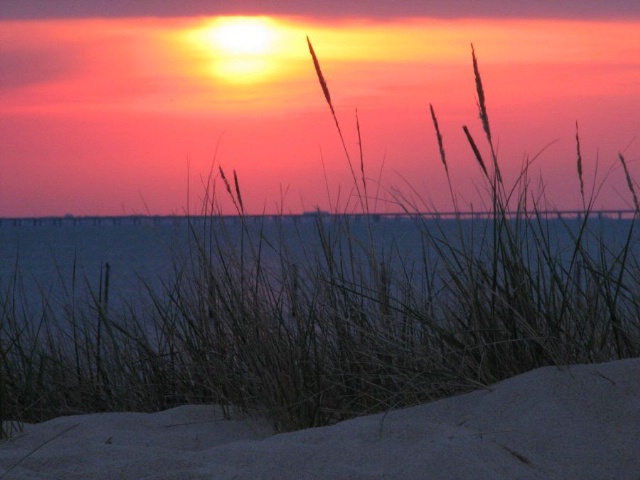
(57, 259)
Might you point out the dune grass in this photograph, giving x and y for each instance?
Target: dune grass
(336, 327)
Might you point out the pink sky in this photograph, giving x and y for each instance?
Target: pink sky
(104, 116)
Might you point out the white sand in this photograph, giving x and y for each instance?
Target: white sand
(577, 423)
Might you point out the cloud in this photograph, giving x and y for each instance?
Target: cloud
(21, 67)
(30, 9)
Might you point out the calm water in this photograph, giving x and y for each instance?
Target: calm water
(55, 260)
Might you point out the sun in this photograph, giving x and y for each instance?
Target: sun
(242, 35)
(242, 48)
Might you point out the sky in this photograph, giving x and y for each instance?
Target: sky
(129, 107)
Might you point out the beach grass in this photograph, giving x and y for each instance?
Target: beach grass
(337, 327)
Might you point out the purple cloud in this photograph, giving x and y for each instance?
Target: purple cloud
(26, 9)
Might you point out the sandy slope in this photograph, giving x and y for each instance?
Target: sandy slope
(582, 423)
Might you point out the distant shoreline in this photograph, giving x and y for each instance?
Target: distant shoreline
(98, 220)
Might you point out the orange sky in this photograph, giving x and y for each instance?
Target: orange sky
(121, 116)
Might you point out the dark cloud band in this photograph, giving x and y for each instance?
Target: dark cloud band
(34, 9)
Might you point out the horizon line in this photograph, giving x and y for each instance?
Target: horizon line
(444, 215)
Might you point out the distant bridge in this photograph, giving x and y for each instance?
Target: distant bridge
(135, 220)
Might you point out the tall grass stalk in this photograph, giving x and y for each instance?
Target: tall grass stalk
(327, 97)
(579, 167)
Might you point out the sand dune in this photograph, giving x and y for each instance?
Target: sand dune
(577, 423)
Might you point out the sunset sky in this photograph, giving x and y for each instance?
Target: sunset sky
(127, 107)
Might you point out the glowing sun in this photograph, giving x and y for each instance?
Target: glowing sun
(242, 48)
(242, 35)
